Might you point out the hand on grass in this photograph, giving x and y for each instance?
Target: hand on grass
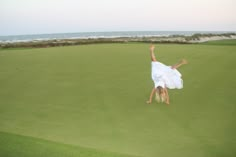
(148, 102)
(167, 102)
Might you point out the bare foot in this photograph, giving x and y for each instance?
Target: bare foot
(152, 47)
(184, 61)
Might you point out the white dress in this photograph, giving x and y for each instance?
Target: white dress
(165, 76)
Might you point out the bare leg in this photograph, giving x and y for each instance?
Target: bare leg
(153, 58)
(182, 62)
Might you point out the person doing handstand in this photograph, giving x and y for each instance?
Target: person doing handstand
(164, 77)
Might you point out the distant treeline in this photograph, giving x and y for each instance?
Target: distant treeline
(178, 39)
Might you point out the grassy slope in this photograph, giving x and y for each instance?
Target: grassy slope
(94, 96)
(21, 146)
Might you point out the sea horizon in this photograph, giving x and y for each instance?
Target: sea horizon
(96, 35)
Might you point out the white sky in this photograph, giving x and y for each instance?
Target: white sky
(59, 16)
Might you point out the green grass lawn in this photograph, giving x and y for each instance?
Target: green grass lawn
(21, 146)
(89, 101)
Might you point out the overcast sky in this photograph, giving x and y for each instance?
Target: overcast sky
(62, 16)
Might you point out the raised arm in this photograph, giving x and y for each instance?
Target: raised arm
(167, 100)
(151, 95)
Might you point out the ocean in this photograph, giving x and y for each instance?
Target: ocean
(87, 35)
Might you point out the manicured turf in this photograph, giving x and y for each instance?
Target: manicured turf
(21, 146)
(93, 96)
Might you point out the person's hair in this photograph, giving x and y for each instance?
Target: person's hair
(160, 91)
